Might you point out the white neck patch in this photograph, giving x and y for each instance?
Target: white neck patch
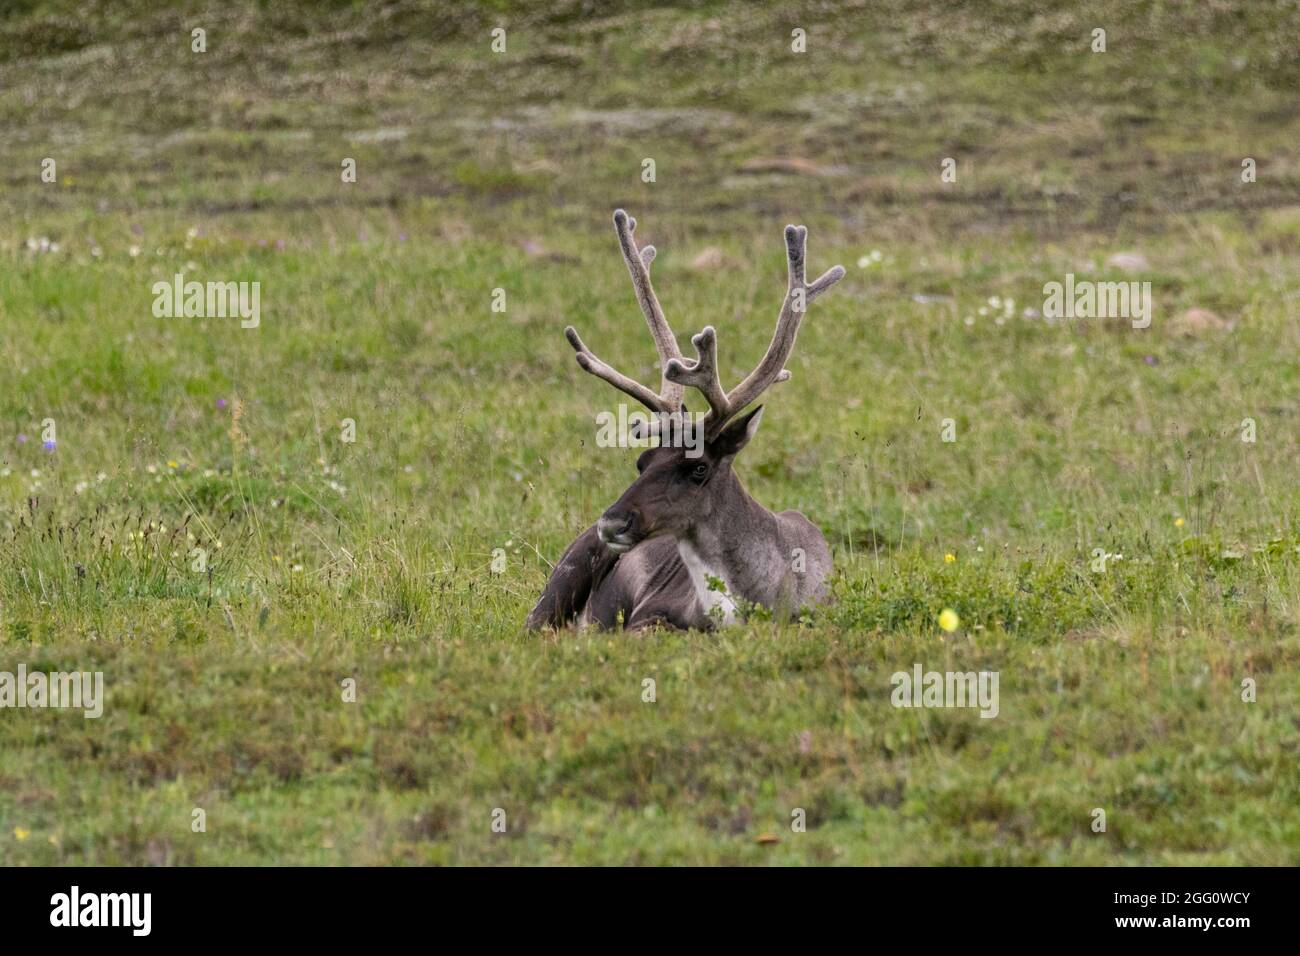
(700, 574)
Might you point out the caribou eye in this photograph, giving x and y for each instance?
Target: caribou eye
(700, 472)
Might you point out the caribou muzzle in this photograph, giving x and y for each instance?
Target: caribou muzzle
(620, 530)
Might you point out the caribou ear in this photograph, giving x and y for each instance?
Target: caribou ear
(737, 434)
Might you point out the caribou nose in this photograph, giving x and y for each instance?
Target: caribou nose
(615, 529)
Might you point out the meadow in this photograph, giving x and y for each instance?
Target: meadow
(1116, 525)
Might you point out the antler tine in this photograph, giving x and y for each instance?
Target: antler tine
(604, 371)
(797, 296)
(638, 267)
(702, 374)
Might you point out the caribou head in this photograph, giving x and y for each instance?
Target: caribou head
(685, 538)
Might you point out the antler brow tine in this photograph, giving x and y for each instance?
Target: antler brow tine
(602, 370)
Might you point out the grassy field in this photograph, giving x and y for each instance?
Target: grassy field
(1121, 688)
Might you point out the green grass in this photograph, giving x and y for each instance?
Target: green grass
(1120, 689)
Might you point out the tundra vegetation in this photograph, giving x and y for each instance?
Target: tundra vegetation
(230, 523)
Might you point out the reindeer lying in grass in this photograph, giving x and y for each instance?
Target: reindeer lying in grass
(685, 545)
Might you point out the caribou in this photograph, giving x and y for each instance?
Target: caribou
(686, 546)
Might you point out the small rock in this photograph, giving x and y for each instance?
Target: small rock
(782, 164)
(1129, 262)
(1195, 321)
(709, 260)
(535, 250)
